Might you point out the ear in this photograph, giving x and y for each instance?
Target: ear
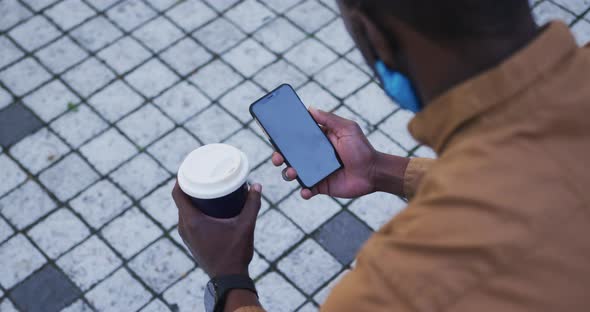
(380, 42)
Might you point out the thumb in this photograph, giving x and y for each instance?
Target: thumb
(330, 121)
(252, 205)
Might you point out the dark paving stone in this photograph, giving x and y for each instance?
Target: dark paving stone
(47, 290)
(16, 122)
(343, 236)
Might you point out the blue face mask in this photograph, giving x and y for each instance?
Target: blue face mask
(398, 87)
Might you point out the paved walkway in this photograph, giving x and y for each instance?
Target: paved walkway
(101, 99)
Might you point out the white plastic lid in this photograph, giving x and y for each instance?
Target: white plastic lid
(213, 171)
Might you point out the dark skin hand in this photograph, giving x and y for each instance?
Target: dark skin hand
(365, 170)
(221, 246)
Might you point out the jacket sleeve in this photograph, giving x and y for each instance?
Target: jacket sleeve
(415, 171)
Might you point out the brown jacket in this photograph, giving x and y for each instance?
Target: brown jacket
(501, 220)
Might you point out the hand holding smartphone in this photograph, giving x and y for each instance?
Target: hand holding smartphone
(294, 133)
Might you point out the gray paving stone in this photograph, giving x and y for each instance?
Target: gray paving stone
(309, 266)
(11, 175)
(19, 259)
(102, 4)
(88, 77)
(68, 177)
(58, 232)
(309, 214)
(185, 56)
(310, 15)
(100, 203)
(255, 148)
(342, 78)
(161, 5)
(275, 234)
(155, 306)
(96, 33)
(34, 33)
(310, 56)
(221, 5)
(582, 31)
(78, 125)
(161, 207)
(173, 148)
(129, 14)
(131, 232)
(277, 294)
(61, 54)
(575, 6)
(124, 54)
(238, 100)
(182, 101)
(308, 307)
(10, 52)
(190, 14)
(119, 292)
(77, 306)
(69, 13)
(38, 5)
(151, 78)
(41, 149)
(139, 176)
(343, 236)
(14, 13)
(396, 127)
(5, 232)
(7, 305)
(187, 294)
(384, 144)
(219, 35)
(145, 125)
(280, 5)
(377, 209)
(51, 100)
(279, 35)
(321, 296)
(30, 198)
(89, 262)
(278, 73)
(275, 188)
(336, 37)
(371, 103)
(115, 101)
(547, 11)
(313, 95)
(249, 15)
(216, 78)
(257, 266)
(108, 150)
(24, 76)
(161, 264)
(16, 122)
(212, 125)
(249, 57)
(158, 34)
(47, 290)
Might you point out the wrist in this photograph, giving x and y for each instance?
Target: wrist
(237, 298)
(388, 173)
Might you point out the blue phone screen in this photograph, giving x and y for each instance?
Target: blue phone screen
(296, 134)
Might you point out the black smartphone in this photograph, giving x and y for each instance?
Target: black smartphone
(293, 132)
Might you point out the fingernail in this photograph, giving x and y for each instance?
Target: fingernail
(257, 187)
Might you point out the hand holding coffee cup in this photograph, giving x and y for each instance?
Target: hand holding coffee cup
(214, 176)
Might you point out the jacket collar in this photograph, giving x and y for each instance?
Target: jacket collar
(436, 124)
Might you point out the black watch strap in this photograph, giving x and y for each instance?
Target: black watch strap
(223, 284)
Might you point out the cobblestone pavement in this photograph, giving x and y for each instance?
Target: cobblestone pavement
(101, 99)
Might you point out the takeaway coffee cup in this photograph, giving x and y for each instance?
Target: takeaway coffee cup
(214, 176)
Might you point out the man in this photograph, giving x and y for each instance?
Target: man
(501, 220)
